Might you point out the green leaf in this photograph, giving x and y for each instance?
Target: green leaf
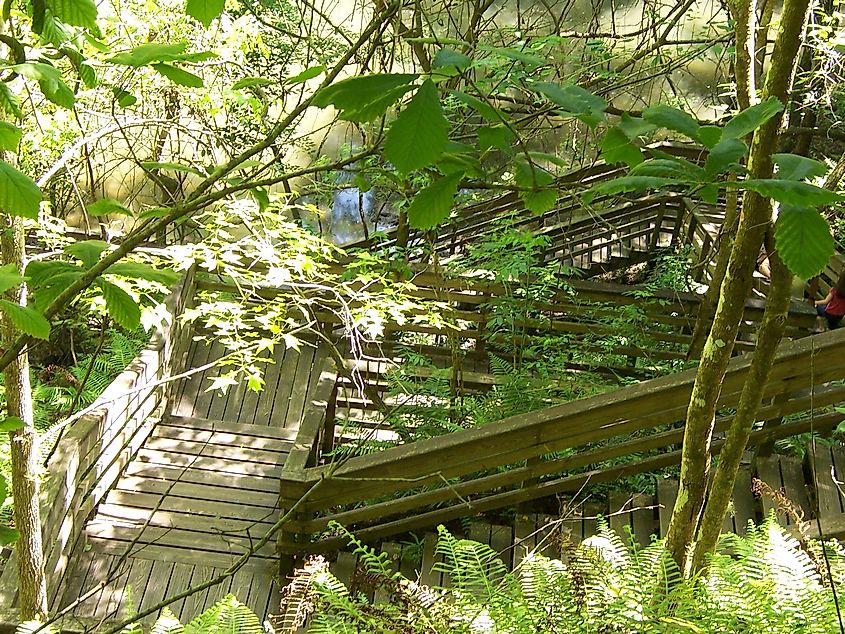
(616, 147)
(40, 272)
(140, 271)
(174, 167)
(27, 320)
(178, 75)
(9, 277)
(204, 11)
(120, 306)
(724, 154)
(634, 128)
(75, 12)
(8, 535)
(626, 184)
(539, 202)
(377, 107)
(357, 92)
(308, 73)
(530, 175)
(433, 204)
(529, 59)
(484, 109)
(10, 136)
(12, 423)
(251, 82)
(106, 206)
(148, 53)
(58, 92)
(672, 119)
(37, 71)
(124, 99)
(88, 75)
(682, 171)
(87, 251)
(9, 101)
(795, 168)
(791, 192)
(419, 135)
(803, 240)
(709, 135)
(751, 118)
(450, 57)
(19, 195)
(578, 102)
(498, 136)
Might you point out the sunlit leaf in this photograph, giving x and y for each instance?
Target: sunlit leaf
(120, 306)
(10, 136)
(791, 192)
(540, 201)
(140, 271)
(616, 147)
(433, 204)
(10, 423)
(124, 98)
(419, 135)
(9, 101)
(19, 195)
(87, 251)
(795, 168)
(9, 277)
(75, 12)
(173, 167)
(8, 535)
(672, 119)
(152, 52)
(106, 206)
(626, 184)
(26, 319)
(578, 102)
(803, 240)
(178, 75)
(709, 135)
(751, 118)
(57, 91)
(357, 92)
(484, 109)
(450, 57)
(308, 73)
(250, 82)
(204, 11)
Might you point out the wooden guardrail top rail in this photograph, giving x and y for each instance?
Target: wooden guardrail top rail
(662, 400)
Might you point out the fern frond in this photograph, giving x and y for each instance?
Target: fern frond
(228, 616)
(167, 623)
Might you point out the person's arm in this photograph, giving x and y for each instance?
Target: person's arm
(823, 302)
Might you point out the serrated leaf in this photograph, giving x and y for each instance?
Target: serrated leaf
(672, 119)
(377, 107)
(36, 71)
(803, 240)
(10, 136)
(680, 170)
(795, 168)
(530, 175)
(576, 101)
(251, 82)
(9, 277)
(450, 57)
(357, 92)
(308, 73)
(9, 101)
(204, 11)
(178, 75)
(627, 184)
(25, 319)
(19, 195)
(499, 137)
(529, 59)
(791, 192)
(106, 206)
(120, 306)
(11, 423)
(484, 109)
(433, 204)
(148, 53)
(75, 12)
(124, 98)
(87, 251)
(709, 135)
(173, 167)
(40, 272)
(138, 270)
(616, 147)
(723, 155)
(58, 92)
(751, 118)
(633, 127)
(419, 135)
(539, 202)
(8, 535)
(88, 75)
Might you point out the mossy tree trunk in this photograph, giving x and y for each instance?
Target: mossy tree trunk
(755, 217)
(32, 588)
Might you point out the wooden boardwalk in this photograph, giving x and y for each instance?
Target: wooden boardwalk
(201, 490)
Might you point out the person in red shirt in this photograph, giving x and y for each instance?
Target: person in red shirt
(833, 305)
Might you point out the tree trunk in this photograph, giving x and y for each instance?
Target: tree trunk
(770, 334)
(24, 449)
(754, 218)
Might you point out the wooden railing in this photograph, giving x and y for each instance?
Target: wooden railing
(423, 483)
(90, 457)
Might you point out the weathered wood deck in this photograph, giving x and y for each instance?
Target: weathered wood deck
(200, 492)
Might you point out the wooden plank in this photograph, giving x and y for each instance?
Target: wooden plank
(301, 385)
(344, 568)
(96, 574)
(591, 511)
(167, 474)
(643, 518)
(234, 402)
(524, 537)
(241, 585)
(113, 595)
(620, 515)
(274, 387)
(194, 491)
(394, 550)
(827, 494)
(768, 470)
(428, 576)
(136, 583)
(217, 592)
(795, 484)
(501, 540)
(193, 604)
(262, 592)
(745, 506)
(203, 397)
(123, 507)
(82, 560)
(156, 587)
(180, 580)
(229, 466)
(216, 451)
(245, 429)
(191, 387)
(221, 438)
(246, 414)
